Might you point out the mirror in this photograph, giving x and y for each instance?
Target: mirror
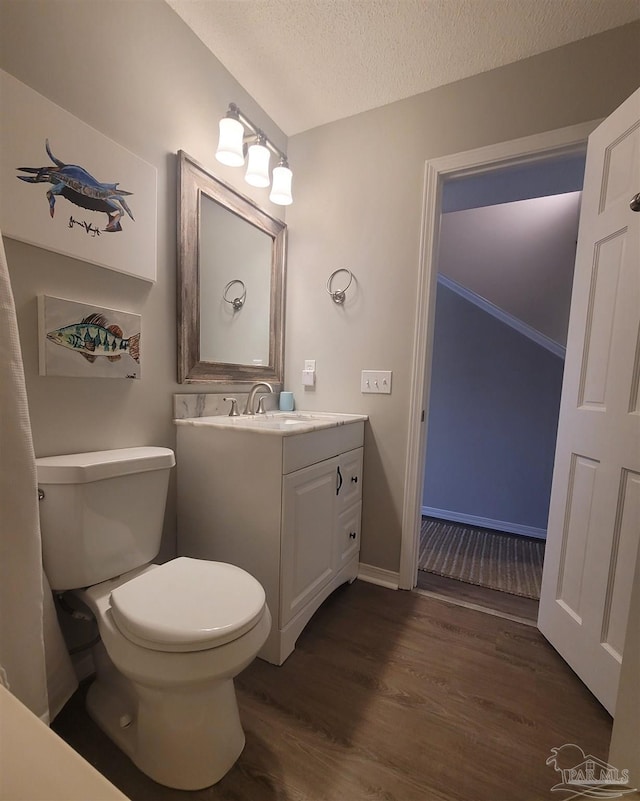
(231, 270)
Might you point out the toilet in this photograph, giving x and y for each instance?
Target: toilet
(172, 636)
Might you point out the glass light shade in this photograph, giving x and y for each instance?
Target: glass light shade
(258, 166)
(230, 142)
(281, 189)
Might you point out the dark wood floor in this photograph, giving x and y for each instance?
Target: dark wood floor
(502, 602)
(391, 696)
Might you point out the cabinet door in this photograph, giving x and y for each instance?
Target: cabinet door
(349, 479)
(308, 521)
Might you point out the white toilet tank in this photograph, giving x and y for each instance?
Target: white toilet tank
(102, 512)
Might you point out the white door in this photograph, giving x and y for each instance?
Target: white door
(594, 515)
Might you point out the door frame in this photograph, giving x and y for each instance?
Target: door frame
(529, 149)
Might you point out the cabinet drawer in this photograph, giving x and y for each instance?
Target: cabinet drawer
(348, 534)
(349, 480)
(302, 450)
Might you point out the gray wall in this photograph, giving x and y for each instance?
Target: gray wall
(358, 199)
(519, 182)
(134, 71)
(493, 417)
(519, 256)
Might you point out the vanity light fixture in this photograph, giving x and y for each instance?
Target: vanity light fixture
(281, 189)
(230, 144)
(258, 166)
(238, 135)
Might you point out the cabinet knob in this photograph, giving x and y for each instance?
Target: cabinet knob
(354, 479)
(353, 535)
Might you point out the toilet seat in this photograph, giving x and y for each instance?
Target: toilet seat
(187, 605)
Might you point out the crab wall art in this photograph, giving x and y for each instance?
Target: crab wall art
(78, 193)
(80, 187)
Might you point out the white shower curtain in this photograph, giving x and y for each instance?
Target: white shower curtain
(34, 663)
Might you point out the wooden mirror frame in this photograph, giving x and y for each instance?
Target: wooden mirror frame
(194, 181)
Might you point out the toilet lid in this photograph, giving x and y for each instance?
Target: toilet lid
(188, 605)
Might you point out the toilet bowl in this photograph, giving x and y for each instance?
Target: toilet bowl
(172, 636)
(171, 705)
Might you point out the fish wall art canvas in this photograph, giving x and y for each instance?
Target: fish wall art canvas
(86, 341)
(66, 187)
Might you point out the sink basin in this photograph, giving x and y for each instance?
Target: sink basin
(280, 423)
(262, 421)
(299, 417)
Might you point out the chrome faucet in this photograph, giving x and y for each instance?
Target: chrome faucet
(233, 411)
(248, 409)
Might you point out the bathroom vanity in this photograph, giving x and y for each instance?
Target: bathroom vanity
(280, 495)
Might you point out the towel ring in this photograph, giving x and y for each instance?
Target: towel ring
(339, 295)
(238, 302)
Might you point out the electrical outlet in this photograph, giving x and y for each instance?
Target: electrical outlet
(309, 373)
(376, 381)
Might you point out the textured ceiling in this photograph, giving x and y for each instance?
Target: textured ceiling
(309, 62)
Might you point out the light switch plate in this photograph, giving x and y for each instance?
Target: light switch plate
(376, 381)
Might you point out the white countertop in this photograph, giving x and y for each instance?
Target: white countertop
(280, 424)
(37, 765)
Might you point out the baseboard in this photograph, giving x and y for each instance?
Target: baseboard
(485, 522)
(379, 576)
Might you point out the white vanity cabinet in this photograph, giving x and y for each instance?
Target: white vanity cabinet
(320, 529)
(285, 507)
